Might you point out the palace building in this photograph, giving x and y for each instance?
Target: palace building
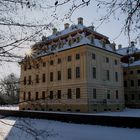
(131, 74)
(76, 70)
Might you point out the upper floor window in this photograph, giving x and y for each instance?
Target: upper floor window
(37, 66)
(37, 78)
(108, 94)
(51, 62)
(131, 72)
(59, 60)
(107, 75)
(138, 71)
(51, 76)
(77, 72)
(77, 93)
(116, 76)
(125, 83)
(69, 94)
(94, 72)
(44, 64)
(43, 77)
(25, 67)
(138, 82)
(59, 75)
(77, 56)
(69, 73)
(107, 60)
(124, 73)
(93, 56)
(116, 62)
(25, 80)
(69, 58)
(30, 80)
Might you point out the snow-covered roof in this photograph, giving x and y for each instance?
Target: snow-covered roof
(127, 50)
(135, 63)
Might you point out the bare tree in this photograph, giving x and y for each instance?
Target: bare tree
(9, 89)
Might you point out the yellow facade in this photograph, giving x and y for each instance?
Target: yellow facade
(86, 82)
(80, 78)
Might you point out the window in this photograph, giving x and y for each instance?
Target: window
(25, 67)
(30, 80)
(131, 72)
(94, 72)
(29, 67)
(132, 97)
(139, 96)
(24, 96)
(116, 62)
(132, 83)
(138, 82)
(51, 62)
(77, 93)
(69, 58)
(36, 95)
(107, 75)
(125, 83)
(59, 75)
(59, 94)
(93, 56)
(138, 71)
(77, 72)
(77, 56)
(51, 94)
(37, 66)
(126, 97)
(69, 73)
(24, 80)
(43, 94)
(51, 76)
(124, 73)
(107, 60)
(43, 78)
(116, 76)
(69, 94)
(37, 78)
(59, 61)
(117, 94)
(108, 94)
(44, 64)
(94, 93)
(29, 96)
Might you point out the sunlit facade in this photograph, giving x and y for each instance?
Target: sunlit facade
(75, 70)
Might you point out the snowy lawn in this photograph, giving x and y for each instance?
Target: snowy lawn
(20, 129)
(126, 112)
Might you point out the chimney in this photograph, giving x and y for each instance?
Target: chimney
(119, 46)
(113, 46)
(80, 20)
(132, 44)
(66, 25)
(54, 31)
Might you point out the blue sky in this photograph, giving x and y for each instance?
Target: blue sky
(91, 15)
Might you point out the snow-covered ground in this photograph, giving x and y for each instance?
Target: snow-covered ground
(54, 130)
(126, 112)
(9, 107)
